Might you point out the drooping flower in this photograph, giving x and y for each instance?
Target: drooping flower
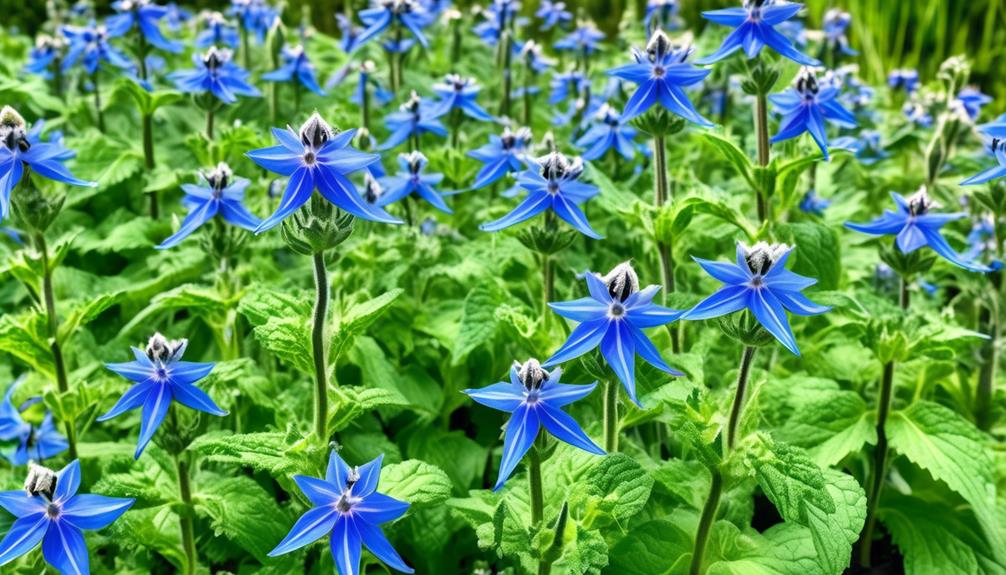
(146, 16)
(413, 119)
(998, 150)
(348, 508)
(903, 79)
(754, 28)
(215, 72)
(973, 100)
(296, 68)
(835, 28)
(662, 14)
(384, 13)
(915, 226)
(503, 154)
(89, 45)
(256, 16)
(614, 317)
(662, 72)
(217, 31)
(46, 51)
(317, 157)
(411, 180)
(552, 182)
(534, 398)
(583, 40)
(813, 203)
(35, 443)
(222, 195)
(50, 511)
(760, 282)
(22, 150)
(553, 14)
(161, 377)
(804, 108)
(458, 93)
(609, 132)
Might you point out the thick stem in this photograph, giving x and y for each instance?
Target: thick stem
(534, 481)
(318, 344)
(528, 106)
(747, 357)
(245, 49)
(143, 55)
(149, 161)
(706, 521)
(185, 518)
(97, 102)
(761, 127)
(209, 122)
(664, 249)
(879, 464)
(987, 373)
(53, 322)
(611, 416)
(904, 299)
(507, 74)
(548, 287)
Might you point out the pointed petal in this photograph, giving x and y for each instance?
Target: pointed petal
(725, 272)
(769, 312)
(187, 372)
(341, 192)
(379, 508)
(17, 503)
(798, 303)
(68, 481)
(346, 546)
(192, 396)
(521, 431)
(725, 301)
(583, 309)
(155, 407)
(311, 526)
(572, 215)
(501, 396)
(318, 491)
(298, 191)
(584, 338)
(649, 353)
(23, 536)
(562, 394)
(565, 428)
(132, 370)
(379, 545)
(910, 239)
(370, 474)
(619, 351)
(94, 511)
(534, 204)
(133, 398)
(337, 472)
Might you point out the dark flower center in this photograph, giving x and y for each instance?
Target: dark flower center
(52, 510)
(310, 158)
(616, 310)
(659, 71)
(161, 373)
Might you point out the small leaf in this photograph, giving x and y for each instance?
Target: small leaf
(415, 482)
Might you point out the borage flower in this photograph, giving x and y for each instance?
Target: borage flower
(813, 203)
(317, 157)
(915, 227)
(534, 398)
(255, 15)
(216, 73)
(903, 79)
(22, 150)
(662, 14)
(35, 443)
(998, 150)
(553, 14)
(349, 509)
(384, 13)
(458, 93)
(217, 31)
(50, 511)
(662, 72)
(565, 85)
(582, 40)
(296, 68)
(760, 282)
(411, 180)
(89, 45)
(835, 28)
(503, 154)
(145, 15)
(413, 119)
(973, 101)
(754, 28)
(222, 195)
(161, 377)
(614, 317)
(609, 132)
(551, 182)
(46, 51)
(806, 106)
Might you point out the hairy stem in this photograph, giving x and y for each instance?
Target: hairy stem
(97, 102)
(706, 521)
(611, 416)
(747, 357)
(987, 374)
(318, 344)
(149, 161)
(761, 127)
(664, 249)
(879, 464)
(534, 481)
(209, 123)
(185, 518)
(548, 287)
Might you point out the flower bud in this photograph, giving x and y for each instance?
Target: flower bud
(219, 177)
(215, 58)
(762, 256)
(919, 203)
(161, 349)
(13, 130)
(531, 374)
(40, 481)
(315, 132)
(622, 281)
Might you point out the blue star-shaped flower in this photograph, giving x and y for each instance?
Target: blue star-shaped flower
(614, 317)
(903, 79)
(411, 180)
(566, 84)
(662, 72)
(551, 182)
(222, 195)
(413, 119)
(760, 282)
(161, 377)
(296, 68)
(503, 154)
(610, 132)
(50, 511)
(317, 157)
(35, 443)
(43, 54)
(915, 227)
(350, 510)
(534, 398)
(662, 15)
(973, 100)
(89, 45)
(582, 40)
(21, 148)
(217, 31)
(867, 147)
(216, 73)
(256, 16)
(498, 15)
(835, 27)
(383, 13)
(553, 14)
(806, 106)
(754, 28)
(144, 15)
(813, 203)
(998, 150)
(457, 93)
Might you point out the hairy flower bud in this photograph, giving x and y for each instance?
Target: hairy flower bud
(315, 132)
(763, 255)
(622, 281)
(531, 374)
(219, 177)
(160, 348)
(806, 82)
(215, 58)
(372, 189)
(412, 104)
(919, 203)
(13, 130)
(40, 481)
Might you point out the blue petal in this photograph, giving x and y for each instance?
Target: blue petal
(133, 398)
(278, 159)
(731, 44)
(798, 303)
(725, 301)
(63, 547)
(337, 472)
(187, 372)
(193, 221)
(94, 511)
(501, 396)
(341, 192)
(784, 46)
(379, 545)
(584, 338)
(910, 239)
(641, 100)
(675, 100)
(770, 313)
(597, 288)
(234, 212)
(649, 353)
(288, 140)
(619, 351)
(318, 491)
(521, 431)
(566, 429)
(311, 526)
(370, 474)
(568, 212)
(725, 272)
(18, 504)
(379, 508)
(887, 224)
(580, 310)
(651, 315)
(986, 176)
(155, 407)
(191, 396)
(133, 370)
(346, 546)
(732, 17)
(68, 481)
(298, 191)
(23, 536)
(940, 246)
(561, 394)
(533, 205)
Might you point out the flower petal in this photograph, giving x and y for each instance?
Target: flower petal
(379, 508)
(584, 338)
(565, 428)
(725, 301)
(90, 511)
(318, 491)
(619, 351)
(23, 536)
(312, 525)
(155, 407)
(133, 398)
(501, 396)
(379, 545)
(521, 431)
(562, 394)
(346, 546)
(769, 312)
(192, 396)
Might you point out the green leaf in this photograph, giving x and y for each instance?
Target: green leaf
(415, 482)
(613, 198)
(153, 529)
(352, 402)
(586, 553)
(736, 157)
(791, 481)
(357, 319)
(616, 488)
(653, 548)
(24, 337)
(107, 161)
(818, 253)
(267, 451)
(243, 512)
(834, 533)
(830, 426)
(85, 313)
(462, 458)
(478, 320)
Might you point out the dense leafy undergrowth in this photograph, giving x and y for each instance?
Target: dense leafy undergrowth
(837, 404)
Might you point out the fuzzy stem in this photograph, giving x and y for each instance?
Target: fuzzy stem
(97, 102)
(149, 161)
(761, 127)
(611, 416)
(534, 481)
(747, 357)
(987, 373)
(879, 464)
(53, 322)
(706, 521)
(185, 518)
(318, 344)
(548, 287)
(209, 122)
(664, 250)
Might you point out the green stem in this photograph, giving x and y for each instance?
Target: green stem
(97, 102)
(504, 46)
(761, 127)
(611, 416)
(318, 344)
(149, 161)
(879, 464)
(209, 122)
(664, 249)
(185, 518)
(53, 322)
(747, 357)
(706, 521)
(534, 481)
(548, 287)
(987, 373)
(245, 49)
(904, 298)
